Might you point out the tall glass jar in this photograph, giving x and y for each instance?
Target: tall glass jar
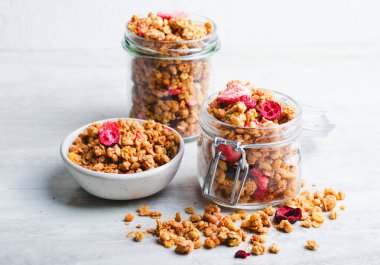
(269, 169)
(168, 81)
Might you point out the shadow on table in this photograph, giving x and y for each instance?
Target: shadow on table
(65, 190)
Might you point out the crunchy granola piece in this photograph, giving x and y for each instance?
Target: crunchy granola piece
(306, 223)
(184, 246)
(264, 219)
(258, 238)
(178, 217)
(190, 210)
(311, 245)
(235, 217)
(138, 226)
(195, 218)
(129, 217)
(258, 248)
(333, 215)
(139, 235)
(209, 243)
(243, 214)
(341, 195)
(343, 207)
(274, 249)
(269, 210)
(230, 238)
(329, 202)
(197, 244)
(145, 211)
(285, 226)
(316, 224)
(317, 217)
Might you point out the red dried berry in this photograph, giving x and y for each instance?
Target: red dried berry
(108, 137)
(174, 92)
(229, 153)
(110, 125)
(270, 110)
(248, 101)
(288, 213)
(241, 254)
(164, 15)
(169, 16)
(261, 182)
(140, 32)
(138, 136)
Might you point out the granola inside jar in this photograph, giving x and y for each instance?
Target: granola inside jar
(169, 68)
(248, 150)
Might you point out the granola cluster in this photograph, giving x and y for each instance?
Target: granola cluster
(212, 228)
(170, 91)
(138, 147)
(252, 116)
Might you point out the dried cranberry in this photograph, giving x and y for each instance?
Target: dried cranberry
(288, 213)
(229, 153)
(270, 110)
(140, 32)
(261, 182)
(174, 92)
(248, 101)
(241, 254)
(108, 137)
(110, 125)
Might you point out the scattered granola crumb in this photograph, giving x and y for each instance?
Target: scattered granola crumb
(303, 183)
(178, 217)
(209, 243)
(139, 235)
(145, 211)
(138, 226)
(258, 248)
(311, 245)
(269, 210)
(131, 234)
(285, 226)
(333, 215)
(129, 217)
(343, 207)
(274, 249)
(190, 210)
(258, 238)
(184, 246)
(306, 223)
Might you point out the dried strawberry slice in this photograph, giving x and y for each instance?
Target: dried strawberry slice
(108, 137)
(233, 93)
(288, 213)
(241, 254)
(270, 110)
(229, 153)
(174, 92)
(261, 182)
(168, 16)
(140, 32)
(248, 101)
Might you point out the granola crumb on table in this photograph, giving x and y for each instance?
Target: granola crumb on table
(129, 217)
(139, 147)
(231, 229)
(170, 91)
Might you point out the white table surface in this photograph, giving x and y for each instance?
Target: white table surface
(46, 218)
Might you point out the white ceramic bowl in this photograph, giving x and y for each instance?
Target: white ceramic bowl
(120, 186)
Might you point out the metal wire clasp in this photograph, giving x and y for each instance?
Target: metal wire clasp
(210, 177)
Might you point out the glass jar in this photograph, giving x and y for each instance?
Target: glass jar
(168, 81)
(269, 169)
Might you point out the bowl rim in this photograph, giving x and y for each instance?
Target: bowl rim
(70, 137)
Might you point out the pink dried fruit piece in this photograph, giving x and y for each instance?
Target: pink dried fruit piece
(241, 254)
(168, 16)
(110, 125)
(108, 137)
(192, 102)
(138, 136)
(270, 110)
(261, 182)
(248, 101)
(233, 93)
(288, 213)
(174, 92)
(229, 153)
(140, 32)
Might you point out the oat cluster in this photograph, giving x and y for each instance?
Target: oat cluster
(212, 228)
(140, 147)
(168, 27)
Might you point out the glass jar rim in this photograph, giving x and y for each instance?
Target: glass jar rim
(293, 122)
(211, 44)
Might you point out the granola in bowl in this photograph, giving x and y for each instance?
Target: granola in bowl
(249, 135)
(124, 146)
(170, 67)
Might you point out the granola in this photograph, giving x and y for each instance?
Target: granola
(140, 147)
(171, 90)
